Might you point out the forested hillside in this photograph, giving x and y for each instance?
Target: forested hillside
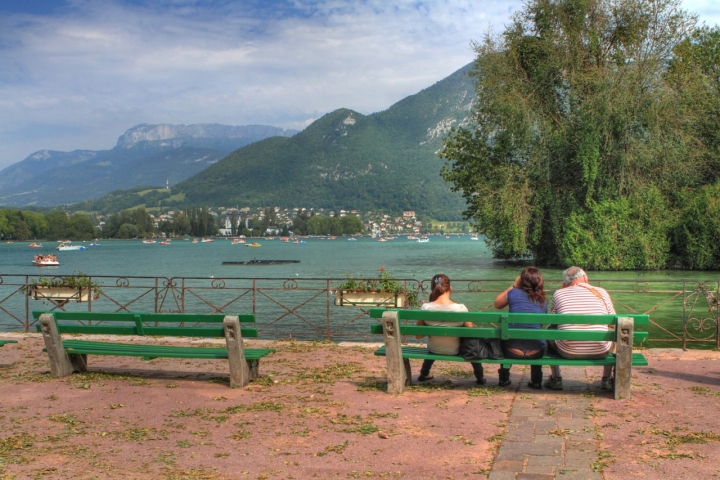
(384, 161)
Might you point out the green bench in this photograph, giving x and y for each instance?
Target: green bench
(3, 342)
(68, 356)
(629, 329)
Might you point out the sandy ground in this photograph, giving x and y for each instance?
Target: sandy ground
(319, 411)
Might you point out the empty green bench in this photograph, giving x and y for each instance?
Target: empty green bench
(68, 355)
(629, 329)
(3, 342)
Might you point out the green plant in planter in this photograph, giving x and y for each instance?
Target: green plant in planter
(77, 280)
(385, 283)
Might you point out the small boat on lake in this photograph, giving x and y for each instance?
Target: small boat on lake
(207, 240)
(35, 245)
(253, 244)
(474, 236)
(67, 246)
(148, 241)
(423, 240)
(164, 242)
(236, 241)
(45, 261)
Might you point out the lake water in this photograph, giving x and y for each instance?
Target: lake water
(457, 257)
(669, 295)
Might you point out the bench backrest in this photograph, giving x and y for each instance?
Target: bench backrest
(500, 322)
(145, 324)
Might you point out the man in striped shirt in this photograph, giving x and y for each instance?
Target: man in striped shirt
(578, 296)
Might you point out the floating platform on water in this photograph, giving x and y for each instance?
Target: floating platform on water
(262, 262)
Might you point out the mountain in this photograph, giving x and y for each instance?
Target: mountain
(144, 155)
(384, 161)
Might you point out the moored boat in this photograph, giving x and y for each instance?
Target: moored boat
(207, 240)
(253, 244)
(35, 245)
(147, 240)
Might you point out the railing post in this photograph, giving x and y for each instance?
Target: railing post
(27, 304)
(182, 296)
(156, 295)
(254, 296)
(327, 310)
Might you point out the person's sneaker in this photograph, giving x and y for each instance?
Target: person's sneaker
(607, 383)
(504, 383)
(535, 386)
(481, 381)
(425, 378)
(554, 383)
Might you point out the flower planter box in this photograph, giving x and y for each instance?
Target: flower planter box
(345, 298)
(60, 294)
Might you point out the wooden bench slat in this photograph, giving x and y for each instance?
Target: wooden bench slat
(518, 333)
(495, 317)
(146, 317)
(108, 329)
(422, 353)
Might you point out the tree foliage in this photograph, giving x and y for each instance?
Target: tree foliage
(586, 127)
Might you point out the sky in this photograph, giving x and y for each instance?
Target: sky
(76, 74)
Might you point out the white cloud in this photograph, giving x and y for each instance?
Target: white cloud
(77, 77)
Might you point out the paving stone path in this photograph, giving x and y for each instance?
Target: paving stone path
(550, 434)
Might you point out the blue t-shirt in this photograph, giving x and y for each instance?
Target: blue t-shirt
(519, 302)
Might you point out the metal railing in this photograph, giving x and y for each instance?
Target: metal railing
(682, 312)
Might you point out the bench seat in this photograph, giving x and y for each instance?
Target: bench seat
(148, 352)
(3, 342)
(422, 353)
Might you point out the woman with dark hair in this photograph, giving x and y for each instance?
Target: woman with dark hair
(526, 295)
(440, 301)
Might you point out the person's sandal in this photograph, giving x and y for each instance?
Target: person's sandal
(554, 383)
(424, 378)
(535, 386)
(607, 383)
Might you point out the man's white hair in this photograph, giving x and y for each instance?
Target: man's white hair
(572, 274)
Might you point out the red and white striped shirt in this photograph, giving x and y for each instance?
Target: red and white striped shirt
(580, 299)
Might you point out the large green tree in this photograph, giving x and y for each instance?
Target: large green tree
(578, 145)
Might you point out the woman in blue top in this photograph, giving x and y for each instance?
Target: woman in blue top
(526, 295)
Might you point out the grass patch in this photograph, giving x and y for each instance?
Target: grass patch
(255, 407)
(453, 371)
(339, 449)
(141, 434)
(16, 442)
(331, 373)
(485, 391)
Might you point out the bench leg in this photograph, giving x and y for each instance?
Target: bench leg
(397, 369)
(253, 369)
(239, 367)
(60, 364)
(623, 358)
(78, 362)
(408, 372)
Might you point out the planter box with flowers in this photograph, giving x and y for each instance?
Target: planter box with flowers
(384, 291)
(77, 287)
